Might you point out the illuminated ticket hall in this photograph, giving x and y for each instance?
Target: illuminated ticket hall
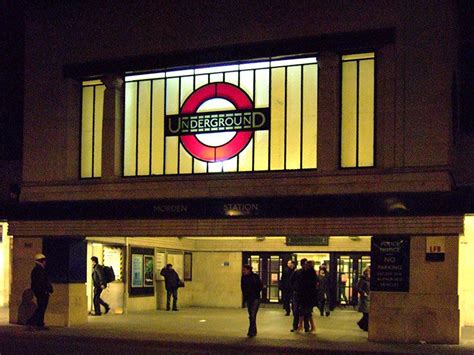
(211, 264)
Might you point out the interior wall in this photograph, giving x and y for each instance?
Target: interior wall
(466, 275)
(216, 279)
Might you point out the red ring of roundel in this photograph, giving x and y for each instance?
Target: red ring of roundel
(230, 149)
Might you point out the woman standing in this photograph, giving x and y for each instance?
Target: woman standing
(363, 288)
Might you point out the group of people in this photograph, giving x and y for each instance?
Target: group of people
(302, 290)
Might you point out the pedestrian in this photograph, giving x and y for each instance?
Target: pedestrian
(306, 288)
(98, 280)
(323, 293)
(363, 288)
(286, 287)
(297, 297)
(172, 282)
(251, 286)
(341, 286)
(41, 288)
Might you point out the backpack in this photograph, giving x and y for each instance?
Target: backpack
(109, 274)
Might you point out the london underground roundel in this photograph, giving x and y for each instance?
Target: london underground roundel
(242, 121)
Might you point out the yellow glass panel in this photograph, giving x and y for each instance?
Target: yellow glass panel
(366, 113)
(293, 118)
(200, 166)
(358, 56)
(185, 161)
(262, 88)
(230, 165)
(86, 131)
(215, 167)
(261, 150)
(172, 145)
(201, 80)
(349, 111)
(130, 129)
(91, 82)
(98, 119)
(232, 77)
(310, 116)
(186, 87)
(245, 157)
(246, 82)
(172, 96)
(144, 100)
(213, 78)
(277, 135)
(157, 127)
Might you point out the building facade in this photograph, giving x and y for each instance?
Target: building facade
(208, 134)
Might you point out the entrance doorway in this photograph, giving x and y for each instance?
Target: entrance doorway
(344, 272)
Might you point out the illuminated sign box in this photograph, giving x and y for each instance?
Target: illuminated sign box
(308, 240)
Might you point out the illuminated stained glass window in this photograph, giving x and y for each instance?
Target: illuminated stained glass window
(254, 116)
(91, 128)
(357, 111)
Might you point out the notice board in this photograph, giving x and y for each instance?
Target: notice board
(390, 263)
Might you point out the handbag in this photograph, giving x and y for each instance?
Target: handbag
(180, 283)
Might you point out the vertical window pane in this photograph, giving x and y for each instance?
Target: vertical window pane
(86, 132)
(261, 150)
(130, 129)
(366, 113)
(349, 114)
(310, 116)
(144, 105)
(158, 119)
(277, 133)
(98, 117)
(293, 118)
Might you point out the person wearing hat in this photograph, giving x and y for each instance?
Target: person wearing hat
(41, 288)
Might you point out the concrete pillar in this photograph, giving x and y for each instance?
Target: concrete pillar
(429, 312)
(112, 128)
(328, 112)
(68, 303)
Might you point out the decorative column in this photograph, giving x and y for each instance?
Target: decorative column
(328, 112)
(112, 127)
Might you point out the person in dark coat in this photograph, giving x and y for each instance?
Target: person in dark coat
(172, 283)
(286, 287)
(297, 298)
(98, 279)
(41, 288)
(306, 290)
(323, 293)
(251, 286)
(363, 288)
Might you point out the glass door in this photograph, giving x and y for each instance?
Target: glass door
(348, 271)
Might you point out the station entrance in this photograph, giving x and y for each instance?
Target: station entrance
(344, 270)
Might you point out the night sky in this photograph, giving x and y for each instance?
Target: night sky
(11, 72)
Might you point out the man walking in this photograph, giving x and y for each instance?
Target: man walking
(41, 288)
(171, 284)
(98, 279)
(286, 287)
(251, 286)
